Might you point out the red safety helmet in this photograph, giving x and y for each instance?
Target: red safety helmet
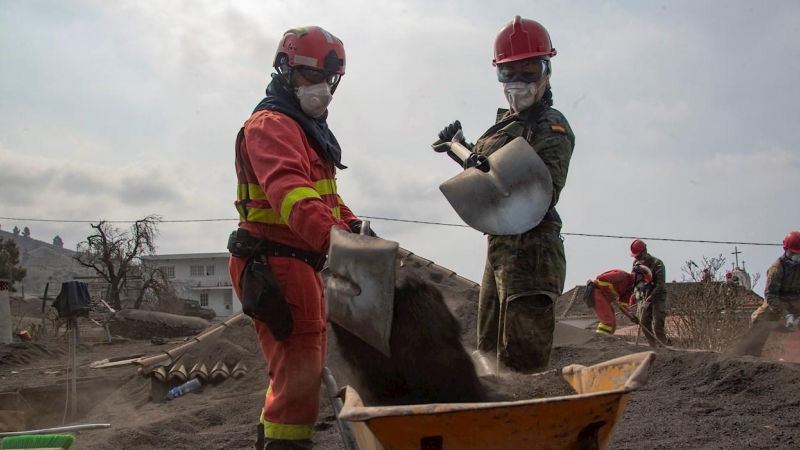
(522, 39)
(792, 242)
(644, 271)
(637, 247)
(311, 47)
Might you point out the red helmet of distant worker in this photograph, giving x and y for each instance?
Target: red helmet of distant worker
(637, 247)
(522, 39)
(644, 272)
(792, 242)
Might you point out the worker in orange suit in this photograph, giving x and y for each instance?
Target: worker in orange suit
(615, 286)
(286, 162)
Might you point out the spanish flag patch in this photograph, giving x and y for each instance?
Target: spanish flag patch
(558, 129)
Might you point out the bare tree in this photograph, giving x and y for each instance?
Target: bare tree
(153, 285)
(112, 253)
(694, 272)
(708, 315)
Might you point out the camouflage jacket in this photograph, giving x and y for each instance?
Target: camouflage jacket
(550, 135)
(657, 289)
(783, 282)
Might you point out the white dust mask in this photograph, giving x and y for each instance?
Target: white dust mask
(314, 99)
(520, 95)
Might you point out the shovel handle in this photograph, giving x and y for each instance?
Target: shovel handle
(454, 148)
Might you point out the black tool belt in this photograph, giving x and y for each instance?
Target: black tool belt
(243, 245)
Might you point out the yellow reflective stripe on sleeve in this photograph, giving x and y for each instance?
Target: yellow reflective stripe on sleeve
(608, 285)
(294, 196)
(325, 187)
(336, 212)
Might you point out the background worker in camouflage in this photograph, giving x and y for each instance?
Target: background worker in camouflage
(524, 273)
(782, 293)
(655, 301)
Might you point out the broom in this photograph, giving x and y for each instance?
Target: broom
(39, 441)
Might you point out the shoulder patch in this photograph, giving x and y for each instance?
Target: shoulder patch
(558, 129)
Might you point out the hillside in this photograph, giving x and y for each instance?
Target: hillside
(45, 263)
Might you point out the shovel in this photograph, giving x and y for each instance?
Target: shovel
(507, 193)
(360, 288)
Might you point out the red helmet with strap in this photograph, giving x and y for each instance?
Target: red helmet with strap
(311, 47)
(644, 272)
(522, 39)
(637, 247)
(792, 242)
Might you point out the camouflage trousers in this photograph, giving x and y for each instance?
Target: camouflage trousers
(523, 276)
(653, 320)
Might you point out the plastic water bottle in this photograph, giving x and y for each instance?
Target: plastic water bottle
(190, 386)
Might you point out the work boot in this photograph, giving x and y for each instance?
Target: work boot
(285, 444)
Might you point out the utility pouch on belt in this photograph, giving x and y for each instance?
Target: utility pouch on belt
(588, 296)
(262, 298)
(241, 244)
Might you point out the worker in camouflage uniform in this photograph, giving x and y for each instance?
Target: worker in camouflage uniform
(655, 301)
(782, 294)
(524, 273)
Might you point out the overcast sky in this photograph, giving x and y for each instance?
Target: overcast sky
(685, 115)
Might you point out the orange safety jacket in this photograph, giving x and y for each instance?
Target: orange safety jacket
(286, 192)
(617, 283)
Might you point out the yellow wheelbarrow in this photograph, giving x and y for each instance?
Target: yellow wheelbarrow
(583, 421)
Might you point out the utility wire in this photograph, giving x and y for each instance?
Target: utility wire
(388, 219)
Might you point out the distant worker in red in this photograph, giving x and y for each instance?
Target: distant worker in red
(655, 296)
(782, 293)
(706, 276)
(286, 161)
(615, 286)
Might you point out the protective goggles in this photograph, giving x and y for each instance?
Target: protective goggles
(317, 76)
(526, 71)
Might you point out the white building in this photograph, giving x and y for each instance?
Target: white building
(203, 277)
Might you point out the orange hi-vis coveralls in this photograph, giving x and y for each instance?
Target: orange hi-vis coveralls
(614, 285)
(287, 194)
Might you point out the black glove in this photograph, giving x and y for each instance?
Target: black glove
(355, 228)
(450, 131)
(477, 161)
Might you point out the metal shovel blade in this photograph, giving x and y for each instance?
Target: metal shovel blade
(360, 289)
(511, 198)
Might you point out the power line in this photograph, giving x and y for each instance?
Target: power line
(423, 222)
